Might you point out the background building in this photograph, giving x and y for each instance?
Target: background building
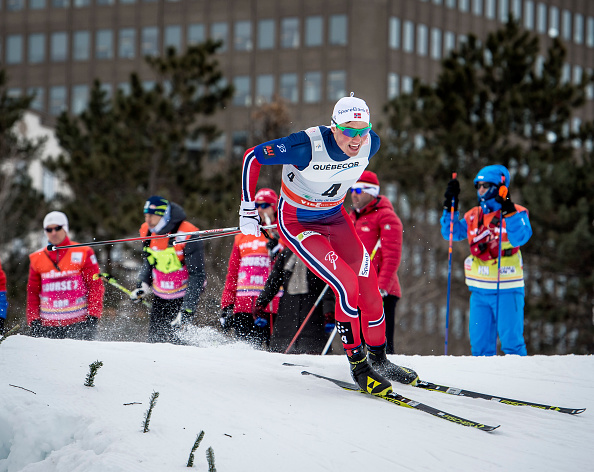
(310, 53)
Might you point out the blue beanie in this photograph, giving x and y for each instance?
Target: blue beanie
(493, 175)
(156, 205)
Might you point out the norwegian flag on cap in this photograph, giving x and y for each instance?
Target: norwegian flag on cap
(357, 115)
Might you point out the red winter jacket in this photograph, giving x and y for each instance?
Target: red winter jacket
(378, 220)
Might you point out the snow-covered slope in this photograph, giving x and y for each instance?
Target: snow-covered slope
(259, 415)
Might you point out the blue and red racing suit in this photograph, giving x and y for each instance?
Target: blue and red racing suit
(313, 223)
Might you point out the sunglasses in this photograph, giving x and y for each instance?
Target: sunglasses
(263, 205)
(358, 191)
(486, 185)
(55, 228)
(352, 132)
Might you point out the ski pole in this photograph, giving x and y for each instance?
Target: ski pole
(215, 232)
(112, 281)
(447, 321)
(503, 194)
(335, 330)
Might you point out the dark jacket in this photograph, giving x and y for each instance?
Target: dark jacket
(291, 273)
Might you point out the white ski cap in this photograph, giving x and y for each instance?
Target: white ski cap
(350, 109)
(56, 218)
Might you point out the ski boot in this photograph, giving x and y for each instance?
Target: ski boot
(380, 363)
(369, 380)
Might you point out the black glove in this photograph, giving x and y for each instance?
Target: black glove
(273, 246)
(452, 192)
(1, 325)
(35, 328)
(226, 316)
(507, 206)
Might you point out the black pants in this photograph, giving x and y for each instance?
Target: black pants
(390, 312)
(84, 330)
(244, 326)
(162, 314)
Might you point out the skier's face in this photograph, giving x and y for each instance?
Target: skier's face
(350, 146)
(55, 234)
(152, 220)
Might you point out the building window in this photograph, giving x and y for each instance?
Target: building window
(590, 32)
(195, 34)
(242, 97)
(219, 32)
(127, 2)
(338, 30)
(541, 18)
(336, 85)
(408, 38)
(578, 29)
(407, 84)
(243, 36)
(104, 44)
(15, 5)
(435, 43)
(150, 41)
(290, 33)
(127, 41)
(577, 74)
(490, 9)
(463, 5)
(61, 3)
(393, 85)
(288, 87)
(36, 48)
(314, 31)
(266, 34)
(172, 37)
(36, 4)
(216, 148)
(80, 99)
(394, 39)
(14, 49)
(449, 42)
(59, 47)
(38, 98)
(422, 40)
(450, 3)
(553, 21)
(104, 2)
(516, 8)
(57, 100)
(565, 74)
(264, 88)
(529, 15)
(312, 87)
(477, 7)
(82, 3)
(48, 184)
(240, 140)
(566, 25)
(503, 10)
(81, 45)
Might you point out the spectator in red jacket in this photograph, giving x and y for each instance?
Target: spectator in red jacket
(377, 223)
(64, 296)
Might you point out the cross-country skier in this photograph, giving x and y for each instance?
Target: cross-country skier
(320, 165)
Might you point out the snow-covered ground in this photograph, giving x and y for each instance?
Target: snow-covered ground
(259, 415)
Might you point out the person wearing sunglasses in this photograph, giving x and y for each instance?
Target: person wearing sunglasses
(251, 260)
(320, 165)
(496, 303)
(64, 296)
(174, 273)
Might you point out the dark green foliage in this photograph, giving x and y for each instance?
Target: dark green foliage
(149, 412)
(93, 369)
(494, 104)
(194, 447)
(211, 460)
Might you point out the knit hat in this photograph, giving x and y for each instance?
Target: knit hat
(156, 205)
(350, 109)
(368, 183)
(493, 175)
(56, 218)
(266, 195)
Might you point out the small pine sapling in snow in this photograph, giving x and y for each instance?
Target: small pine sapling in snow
(149, 412)
(94, 367)
(196, 444)
(210, 459)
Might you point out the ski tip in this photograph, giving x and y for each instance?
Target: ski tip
(305, 372)
(490, 428)
(577, 411)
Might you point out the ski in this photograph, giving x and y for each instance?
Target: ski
(399, 400)
(484, 396)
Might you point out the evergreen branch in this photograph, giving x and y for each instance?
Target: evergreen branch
(196, 444)
(10, 332)
(149, 412)
(211, 460)
(94, 367)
